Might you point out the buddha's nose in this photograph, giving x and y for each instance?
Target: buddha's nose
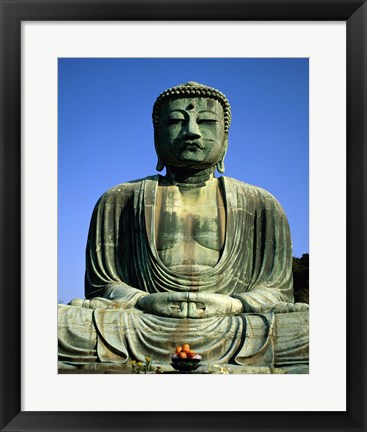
(192, 129)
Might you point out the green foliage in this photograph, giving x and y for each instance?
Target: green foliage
(301, 278)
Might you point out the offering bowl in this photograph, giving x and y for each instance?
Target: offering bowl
(185, 364)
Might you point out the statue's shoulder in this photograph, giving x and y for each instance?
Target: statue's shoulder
(260, 196)
(126, 190)
(246, 188)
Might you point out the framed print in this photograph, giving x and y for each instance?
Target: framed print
(33, 396)
(90, 163)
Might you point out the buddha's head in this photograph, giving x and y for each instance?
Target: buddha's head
(191, 123)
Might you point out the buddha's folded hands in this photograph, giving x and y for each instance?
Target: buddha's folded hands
(190, 305)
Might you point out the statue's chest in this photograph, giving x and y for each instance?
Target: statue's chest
(194, 216)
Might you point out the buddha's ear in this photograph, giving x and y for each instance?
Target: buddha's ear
(220, 163)
(160, 164)
(225, 144)
(156, 141)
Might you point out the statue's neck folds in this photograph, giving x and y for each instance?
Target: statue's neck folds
(189, 177)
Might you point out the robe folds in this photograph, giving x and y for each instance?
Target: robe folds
(122, 265)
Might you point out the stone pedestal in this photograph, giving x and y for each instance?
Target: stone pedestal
(104, 368)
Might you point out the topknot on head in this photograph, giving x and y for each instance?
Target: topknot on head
(192, 89)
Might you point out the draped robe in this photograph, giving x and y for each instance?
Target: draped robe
(123, 264)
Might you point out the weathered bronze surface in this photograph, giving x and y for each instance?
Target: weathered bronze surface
(188, 257)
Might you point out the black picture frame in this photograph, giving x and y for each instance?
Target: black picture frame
(354, 13)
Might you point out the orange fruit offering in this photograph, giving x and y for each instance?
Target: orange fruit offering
(185, 352)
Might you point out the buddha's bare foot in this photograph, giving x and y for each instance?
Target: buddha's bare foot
(284, 307)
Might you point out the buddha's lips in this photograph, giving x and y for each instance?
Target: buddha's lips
(192, 145)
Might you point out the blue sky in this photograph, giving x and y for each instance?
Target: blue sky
(105, 136)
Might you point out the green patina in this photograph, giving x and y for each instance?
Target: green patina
(188, 257)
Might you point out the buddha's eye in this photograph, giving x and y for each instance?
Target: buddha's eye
(174, 121)
(207, 121)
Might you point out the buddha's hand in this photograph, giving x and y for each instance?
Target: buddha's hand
(204, 305)
(190, 305)
(171, 305)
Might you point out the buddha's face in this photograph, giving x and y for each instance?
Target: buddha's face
(191, 133)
